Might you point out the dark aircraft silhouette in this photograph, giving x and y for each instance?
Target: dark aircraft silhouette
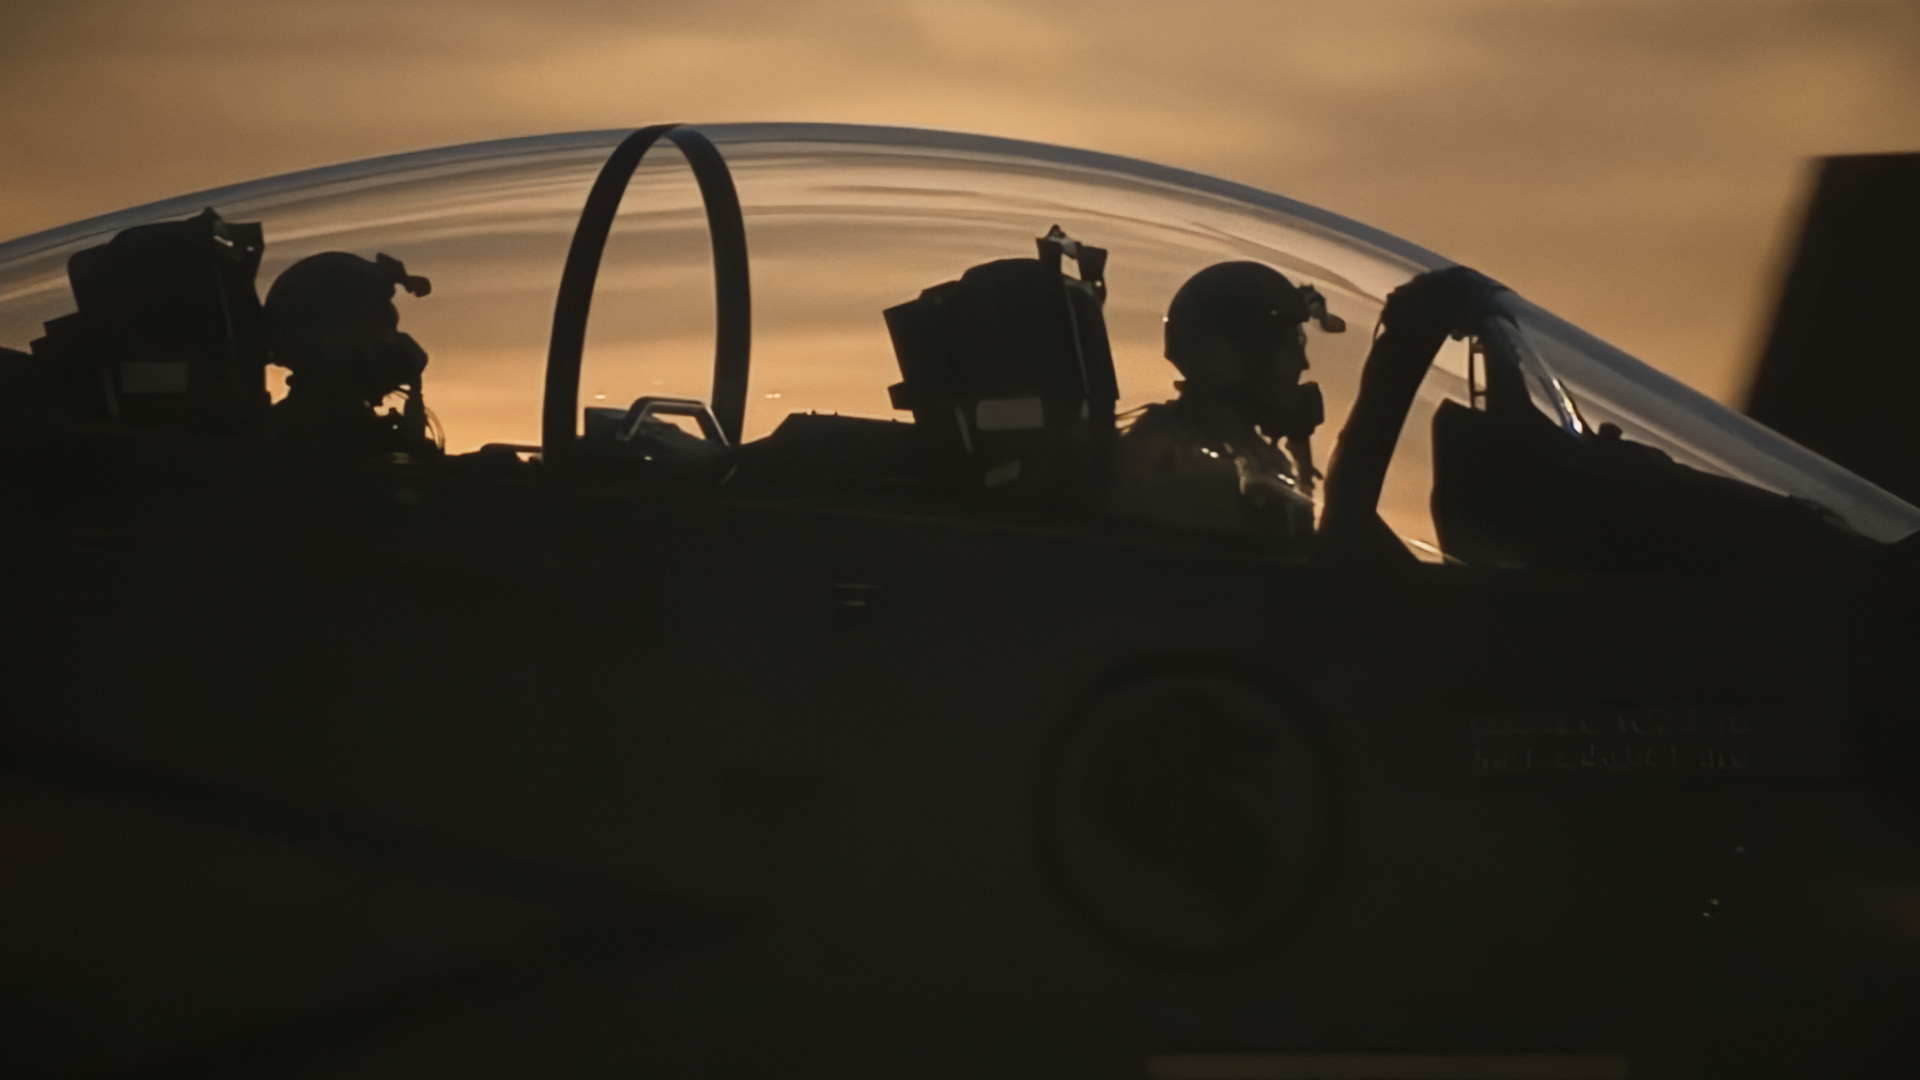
(1841, 355)
(666, 744)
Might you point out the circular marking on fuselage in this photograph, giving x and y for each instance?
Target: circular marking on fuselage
(1188, 816)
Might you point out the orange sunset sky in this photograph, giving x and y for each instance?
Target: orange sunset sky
(1634, 165)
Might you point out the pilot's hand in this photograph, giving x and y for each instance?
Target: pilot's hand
(1451, 300)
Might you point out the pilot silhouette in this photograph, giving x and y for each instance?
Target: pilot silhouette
(1209, 459)
(331, 323)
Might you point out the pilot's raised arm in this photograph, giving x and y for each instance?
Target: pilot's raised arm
(331, 322)
(1210, 459)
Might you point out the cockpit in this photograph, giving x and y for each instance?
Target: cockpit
(908, 321)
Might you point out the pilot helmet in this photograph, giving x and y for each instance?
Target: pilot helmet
(1230, 314)
(335, 308)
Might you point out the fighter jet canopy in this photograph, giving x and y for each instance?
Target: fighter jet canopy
(844, 222)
